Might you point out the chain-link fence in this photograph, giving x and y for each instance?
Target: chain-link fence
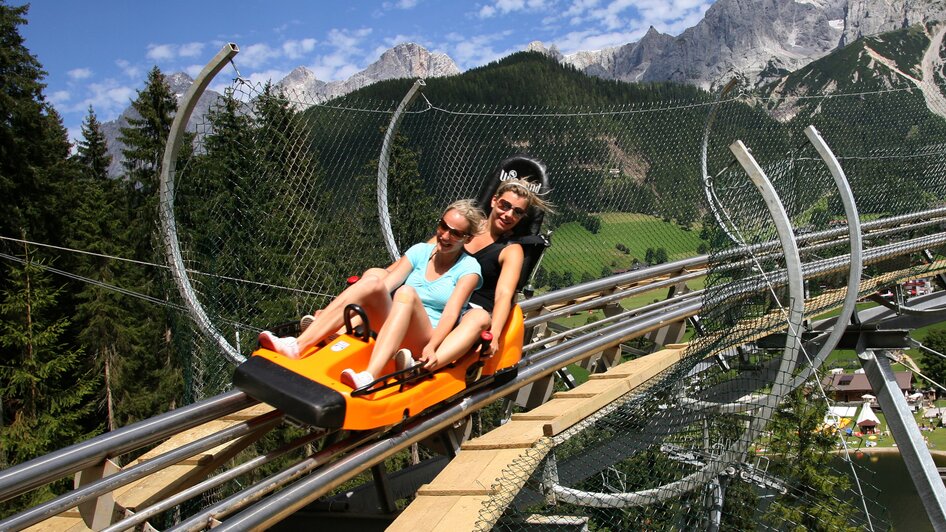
(277, 203)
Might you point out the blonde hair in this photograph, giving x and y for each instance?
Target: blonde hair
(523, 189)
(473, 214)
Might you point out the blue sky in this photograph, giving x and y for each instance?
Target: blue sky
(97, 52)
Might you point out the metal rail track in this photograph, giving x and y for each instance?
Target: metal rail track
(314, 476)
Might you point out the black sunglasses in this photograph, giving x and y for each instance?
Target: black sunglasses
(504, 206)
(455, 233)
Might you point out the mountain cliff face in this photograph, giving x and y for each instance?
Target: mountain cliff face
(910, 59)
(407, 60)
(178, 83)
(757, 40)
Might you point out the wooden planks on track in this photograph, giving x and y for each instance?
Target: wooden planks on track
(496, 465)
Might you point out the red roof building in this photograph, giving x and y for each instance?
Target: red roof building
(849, 387)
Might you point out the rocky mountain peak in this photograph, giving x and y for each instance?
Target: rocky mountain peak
(550, 51)
(302, 85)
(179, 82)
(756, 40)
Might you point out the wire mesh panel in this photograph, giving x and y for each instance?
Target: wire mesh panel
(290, 190)
(711, 446)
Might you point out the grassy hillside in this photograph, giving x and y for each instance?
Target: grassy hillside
(581, 252)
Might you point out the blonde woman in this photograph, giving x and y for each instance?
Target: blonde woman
(433, 282)
(500, 258)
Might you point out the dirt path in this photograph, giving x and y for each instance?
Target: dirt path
(931, 63)
(935, 100)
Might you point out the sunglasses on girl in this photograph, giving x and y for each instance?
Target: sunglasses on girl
(455, 233)
(504, 206)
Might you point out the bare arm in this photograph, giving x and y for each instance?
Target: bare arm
(510, 261)
(397, 273)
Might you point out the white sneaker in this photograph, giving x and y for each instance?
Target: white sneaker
(356, 380)
(287, 346)
(403, 359)
(305, 322)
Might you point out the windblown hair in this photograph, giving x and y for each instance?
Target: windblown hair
(473, 214)
(523, 189)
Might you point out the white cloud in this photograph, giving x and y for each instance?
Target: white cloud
(295, 49)
(192, 49)
(400, 4)
(345, 57)
(668, 16)
(504, 7)
(273, 75)
(170, 52)
(256, 55)
(334, 67)
(193, 70)
(594, 40)
(130, 70)
(74, 134)
(59, 98)
(472, 51)
(343, 38)
(79, 73)
(108, 98)
(160, 52)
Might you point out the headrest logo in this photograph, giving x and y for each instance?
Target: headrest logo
(506, 175)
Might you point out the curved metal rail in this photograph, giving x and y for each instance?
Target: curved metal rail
(540, 363)
(169, 225)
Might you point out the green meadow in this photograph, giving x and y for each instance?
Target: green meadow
(582, 252)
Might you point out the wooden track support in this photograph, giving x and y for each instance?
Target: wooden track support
(496, 465)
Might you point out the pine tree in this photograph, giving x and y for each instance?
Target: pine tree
(290, 212)
(805, 452)
(33, 145)
(934, 366)
(46, 395)
(412, 210)
(92, 150)
(151, 378)
(101, 315)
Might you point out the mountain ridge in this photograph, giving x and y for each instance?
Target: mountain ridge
(758, 41)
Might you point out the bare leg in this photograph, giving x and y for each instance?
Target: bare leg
(370, 292)
(407, 325)
(462, 338)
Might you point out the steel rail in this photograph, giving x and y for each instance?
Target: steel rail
(237, 501)
(608, 319)
(292, 498)
(138, 471)
(24, 477)
(384, 217)
(143, 514)
(610, 298)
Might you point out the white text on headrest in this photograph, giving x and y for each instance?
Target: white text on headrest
(512, 174)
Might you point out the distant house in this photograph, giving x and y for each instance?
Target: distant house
(851, 387)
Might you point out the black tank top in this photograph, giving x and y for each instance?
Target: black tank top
(488, 258)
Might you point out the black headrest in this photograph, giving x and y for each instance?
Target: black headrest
(519, 166)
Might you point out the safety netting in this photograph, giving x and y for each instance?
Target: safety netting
(278, 200)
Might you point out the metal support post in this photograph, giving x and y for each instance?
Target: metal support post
(385, 496)
(102, 511)
(537, 393)
(913, 449)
